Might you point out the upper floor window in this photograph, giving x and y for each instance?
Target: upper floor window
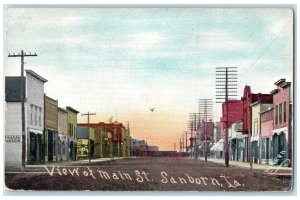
(31, 114)
(284, 111)
(40, 116)
(35, 116)
(280, 113)
(276, 114)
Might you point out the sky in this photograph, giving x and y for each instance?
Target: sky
(119, 62)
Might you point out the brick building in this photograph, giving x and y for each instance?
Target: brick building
(266, 120)
(256, 139)
(248, 99)
(282, 132)
(235, 113)
(120, 139)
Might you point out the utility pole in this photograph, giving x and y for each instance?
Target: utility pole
(22, 55)
(186, 147)
(190, 128)
(182, 143)
(226, 87)
(89, 143)
(193, 119)
(205, 110)
(180, 147)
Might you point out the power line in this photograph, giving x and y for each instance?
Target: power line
(265, 50)
(227, 74)
(205, 108)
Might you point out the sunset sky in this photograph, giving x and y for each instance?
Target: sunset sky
(120, 62)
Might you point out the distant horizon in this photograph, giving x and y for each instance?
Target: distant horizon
(120, 62)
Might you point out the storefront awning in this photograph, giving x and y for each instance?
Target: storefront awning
(35, 131)
(218, 146)
(255, 138)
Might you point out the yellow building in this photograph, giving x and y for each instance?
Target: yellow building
(72, 125)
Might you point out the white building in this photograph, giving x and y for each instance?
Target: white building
(34, 119)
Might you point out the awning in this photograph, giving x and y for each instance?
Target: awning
(238, 135)
(255, 138)
(35, 131)
(218, 146)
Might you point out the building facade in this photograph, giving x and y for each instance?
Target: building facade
(266, 124)
(256, 139)
(62, 134)
(120, 137)
(51, 129)
(72, 128)
(86, 142)
(282, 133)
(34, 124)
(235, 139)
(107, 142)
(235, 113)
(248, 99)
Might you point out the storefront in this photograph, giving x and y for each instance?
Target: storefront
(279, 145)
(35, 146)
(255, 148)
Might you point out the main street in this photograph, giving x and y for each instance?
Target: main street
(145, 174)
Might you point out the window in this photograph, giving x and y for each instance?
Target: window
(71, 129)
(280, 113)
(276, 115)
(40, 116)
(31, 113)
(35, 116)
(284, 111)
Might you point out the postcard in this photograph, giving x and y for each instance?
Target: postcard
(149, 99)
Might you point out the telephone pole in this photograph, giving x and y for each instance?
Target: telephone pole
(193, 128)
(205, 110)
(186, 147)
(89, 143)
(22, 55)
(190, 128)
(226, 87)
(180, 145)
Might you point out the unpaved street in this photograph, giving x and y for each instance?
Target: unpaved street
(146, 174)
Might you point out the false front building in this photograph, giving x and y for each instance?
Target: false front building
(51, 132)
(72, 125)
(33, 85)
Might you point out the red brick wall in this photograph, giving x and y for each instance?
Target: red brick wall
(235, 113)
(283, 95)
(248, 99)
(267, 124)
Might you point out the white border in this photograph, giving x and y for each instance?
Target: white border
(165, 3)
